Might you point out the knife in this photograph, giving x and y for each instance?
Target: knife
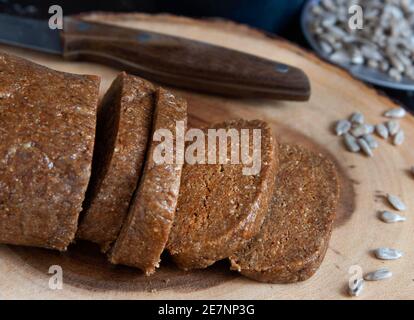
(162, 58)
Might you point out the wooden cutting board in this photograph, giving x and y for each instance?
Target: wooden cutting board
(364, 181)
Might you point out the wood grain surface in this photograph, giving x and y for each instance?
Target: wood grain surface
(364, 181)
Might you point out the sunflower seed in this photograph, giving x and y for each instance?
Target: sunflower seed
(356, 287)
(360, 130)
(342, 126)
(340, 56)
(374, 64)
(357, 117)
(382, 130)
(391, 217)
(395, 113)
(396, 202)
(365, 147)
(372, 143)
(351, 143)
(379, 274)
(370, 128)
(398, 139)
(326, 47)
(393, 126)
(388, 254)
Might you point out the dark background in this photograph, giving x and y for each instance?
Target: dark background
(275, 16)
(271, 15)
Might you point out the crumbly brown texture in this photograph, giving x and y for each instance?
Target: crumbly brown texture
(47, 131)
(294, 237)
(220, 208)
(145, 232)
(124, 126)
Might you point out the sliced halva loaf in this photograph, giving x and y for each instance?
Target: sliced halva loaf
(220, 206)
(47, 131)
(123, 130)
(146, 229)
(295, 234)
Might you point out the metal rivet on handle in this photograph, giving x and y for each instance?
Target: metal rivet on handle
(282, 68)
(143, 37)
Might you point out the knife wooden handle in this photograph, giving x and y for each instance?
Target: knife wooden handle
(183, 63)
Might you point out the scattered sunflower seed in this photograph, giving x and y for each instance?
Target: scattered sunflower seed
(391, 217)
(342, 127)
(398, 139)
(360, 130)
(365, 147)
(351, 143)
(359, 135)
(379, 274)
(388, 254)
(355, 289)
(370, 128)
(357, 117)
(395, 113)
(393, 126)
(382, 130)
(372, 143)
(396, 202)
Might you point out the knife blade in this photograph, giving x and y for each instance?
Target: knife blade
(29, 33)
(162, 58)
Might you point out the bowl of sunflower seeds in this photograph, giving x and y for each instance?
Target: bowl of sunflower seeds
(379, 48)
